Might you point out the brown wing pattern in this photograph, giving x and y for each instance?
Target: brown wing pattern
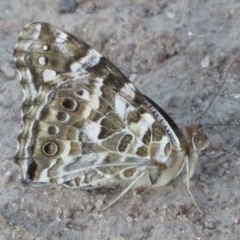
(84, 122)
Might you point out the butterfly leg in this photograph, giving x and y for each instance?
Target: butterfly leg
(171, 172)
(168, 174)
(189, 173)
(131, 185)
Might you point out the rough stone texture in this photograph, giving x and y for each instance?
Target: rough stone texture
(183, 54)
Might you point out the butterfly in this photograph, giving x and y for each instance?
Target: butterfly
(84, 124)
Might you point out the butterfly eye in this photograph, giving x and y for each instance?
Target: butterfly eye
(196, 141)
(200, 141)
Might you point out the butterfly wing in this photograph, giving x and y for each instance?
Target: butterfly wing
(83, 120)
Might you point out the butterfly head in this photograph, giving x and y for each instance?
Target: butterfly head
(197, 137)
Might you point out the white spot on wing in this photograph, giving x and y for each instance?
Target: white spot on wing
(120, 106)
(33, 91)
(62, 37)
(100, 159)
(94, 53)
(83, 94)
(28, 75)
(142, 125)
(92, 130)
(91, 59)
(19, 75)
(48, 75)
(160, 154)
(26, 46)
(98, 84)
(45, 47)
(148, 118)
(127, 91)
(75, 66)
(36, 31)
(42, 61)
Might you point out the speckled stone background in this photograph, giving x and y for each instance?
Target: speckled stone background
(183, 54)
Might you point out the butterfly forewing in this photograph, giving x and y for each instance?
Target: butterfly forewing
(84, 122)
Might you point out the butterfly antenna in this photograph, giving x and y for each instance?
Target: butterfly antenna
(189, 115)
(215, 96)
(224, 77)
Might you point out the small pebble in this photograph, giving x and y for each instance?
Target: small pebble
(225, 165)
(99, 203)
(215, 142)
(59, 212)
(232, 200)
(237, 221)
(170, 15)
(180, 210)
(221, 172)
(89, 208)
(205, 62)
(67, 6)
(68, 213)
(129, 219)
(215, 196)
(8, 177)
(210, 224)
(8, 71)
(133, 77)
